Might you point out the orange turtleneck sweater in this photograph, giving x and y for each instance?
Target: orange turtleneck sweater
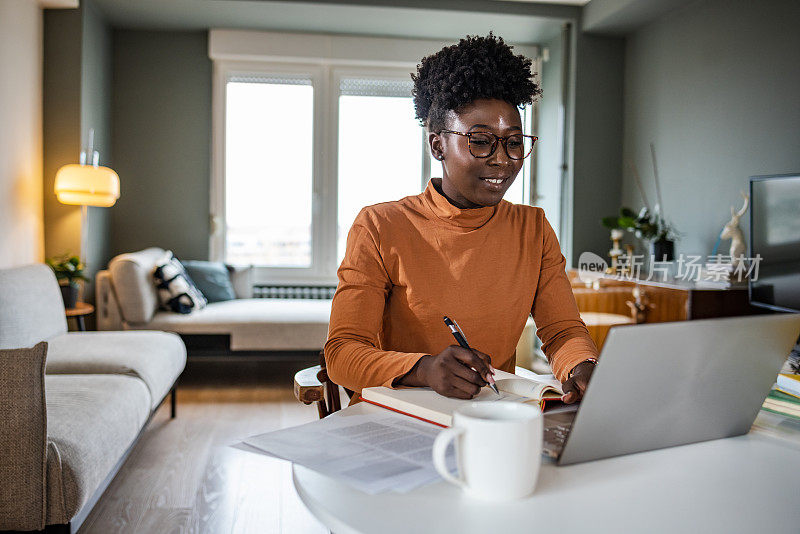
(411, 261)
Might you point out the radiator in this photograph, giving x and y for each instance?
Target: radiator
(294, 292)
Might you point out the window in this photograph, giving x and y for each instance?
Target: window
(299, 147)
(376, 127)
(268, 171)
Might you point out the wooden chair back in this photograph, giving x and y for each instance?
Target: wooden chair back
(314, 385)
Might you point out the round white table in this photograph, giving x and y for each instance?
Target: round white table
(744, 484)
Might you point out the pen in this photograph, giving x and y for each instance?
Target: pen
(459, 335)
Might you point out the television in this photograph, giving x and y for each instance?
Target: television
(775, 237)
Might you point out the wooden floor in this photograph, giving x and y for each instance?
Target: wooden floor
(183, 475)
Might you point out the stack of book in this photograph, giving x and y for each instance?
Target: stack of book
(715, 275)
(784, 398)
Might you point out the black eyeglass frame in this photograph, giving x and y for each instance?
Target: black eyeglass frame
(497, 139)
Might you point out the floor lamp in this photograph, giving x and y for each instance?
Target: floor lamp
(87, 185)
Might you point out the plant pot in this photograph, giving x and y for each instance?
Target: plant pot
(69, 292)
(662, 250)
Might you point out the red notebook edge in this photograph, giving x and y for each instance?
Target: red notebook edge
(403, 413)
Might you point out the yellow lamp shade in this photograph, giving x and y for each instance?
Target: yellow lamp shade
(87, 185)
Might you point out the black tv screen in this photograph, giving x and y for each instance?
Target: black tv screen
(775, 236)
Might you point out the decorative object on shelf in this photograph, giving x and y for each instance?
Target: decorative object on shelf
(615, 252)
(649, 224)
(645, 225)
(662, 249)
(68, 268)
(626, 269)
(87, 185)
(732, 231)
(640, 305)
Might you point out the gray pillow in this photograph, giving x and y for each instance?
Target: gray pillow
(212, 279)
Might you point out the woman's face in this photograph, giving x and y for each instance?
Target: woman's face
(464, 178)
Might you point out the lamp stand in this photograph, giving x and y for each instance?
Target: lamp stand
(84, 238)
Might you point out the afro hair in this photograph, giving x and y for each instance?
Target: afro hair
(477, 67)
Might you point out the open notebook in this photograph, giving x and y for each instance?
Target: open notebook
(426, 404)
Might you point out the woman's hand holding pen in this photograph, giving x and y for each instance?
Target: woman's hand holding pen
(454, 372)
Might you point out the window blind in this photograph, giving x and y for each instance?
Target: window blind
(272, 80)
(373, 87)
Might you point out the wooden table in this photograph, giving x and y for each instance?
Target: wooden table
(599, 323)
(81, 310)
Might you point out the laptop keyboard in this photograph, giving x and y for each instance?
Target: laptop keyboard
(556, 435)
(556, 430)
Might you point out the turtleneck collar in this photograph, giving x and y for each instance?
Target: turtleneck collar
(444, 210)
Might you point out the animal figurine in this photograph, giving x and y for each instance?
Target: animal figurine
(640, 306)
(734, 233)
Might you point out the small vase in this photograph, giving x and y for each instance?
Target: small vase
(662, 250)
(69, 292)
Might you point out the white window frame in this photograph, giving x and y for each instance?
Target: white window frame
(223, 71)
(326, 59)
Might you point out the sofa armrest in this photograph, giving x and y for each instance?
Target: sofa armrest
(109, 315)
(23, 441)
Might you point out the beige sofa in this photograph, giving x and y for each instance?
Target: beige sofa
(126, 299)
(70, 420)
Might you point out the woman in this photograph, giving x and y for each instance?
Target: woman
(458, 249)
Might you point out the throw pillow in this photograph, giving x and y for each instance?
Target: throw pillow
(211, 278)
(176, 290)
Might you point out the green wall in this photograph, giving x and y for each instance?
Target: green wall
(76, 98)
(161, 141)
(715, 86)
(95, 105)
(61, 124)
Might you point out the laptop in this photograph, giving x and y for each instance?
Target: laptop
(666, 384)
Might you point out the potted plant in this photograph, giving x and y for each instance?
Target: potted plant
(68, 269)
(649, 226)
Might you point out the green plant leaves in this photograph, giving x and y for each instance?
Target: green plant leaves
(67, 267)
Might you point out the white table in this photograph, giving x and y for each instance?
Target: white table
(748, 484)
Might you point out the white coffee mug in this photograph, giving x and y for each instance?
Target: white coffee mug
(498, 446)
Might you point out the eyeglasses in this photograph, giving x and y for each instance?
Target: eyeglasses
(483, 144)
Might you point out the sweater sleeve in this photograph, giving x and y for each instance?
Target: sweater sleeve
(352, 354)
(565, 338)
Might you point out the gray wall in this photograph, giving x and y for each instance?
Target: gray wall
(95, 106)
(599, 69)
(715, 87)
(161, 141)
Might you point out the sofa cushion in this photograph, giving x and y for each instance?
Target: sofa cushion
(91, 422)
(242, 280)
(158, 358)
(31, 307)
(132, 275)
(177, 291)
(256, 324)
(212, 278)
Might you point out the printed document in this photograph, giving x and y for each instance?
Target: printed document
(373, 453)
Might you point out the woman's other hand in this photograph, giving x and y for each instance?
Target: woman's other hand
(454, 372)
(575, 387)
